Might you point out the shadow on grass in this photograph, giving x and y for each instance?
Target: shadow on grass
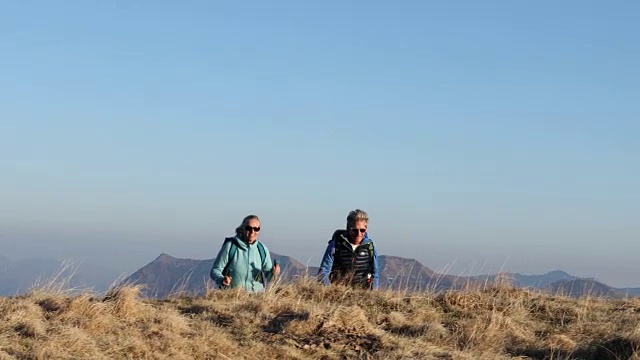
(409, 330)
(278, 323)
(613, 349)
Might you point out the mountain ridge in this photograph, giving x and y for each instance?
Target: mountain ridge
(396, 273)
(19, 276)
(166, 274)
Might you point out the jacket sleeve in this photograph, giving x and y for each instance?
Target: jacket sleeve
(375, 273)
(326, 264)
(219, 263)
(268, 264)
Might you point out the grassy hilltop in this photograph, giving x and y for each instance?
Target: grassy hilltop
(305, 320)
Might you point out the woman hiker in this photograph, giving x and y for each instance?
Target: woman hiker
(243, 261)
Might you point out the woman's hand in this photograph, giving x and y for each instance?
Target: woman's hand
(226, 281)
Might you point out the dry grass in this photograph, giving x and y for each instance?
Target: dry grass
(305, 320)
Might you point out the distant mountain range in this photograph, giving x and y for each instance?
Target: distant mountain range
(166, 275)
(559, 282)
(528, 281)
(19, 276)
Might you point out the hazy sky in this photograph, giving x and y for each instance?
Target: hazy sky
(479, 136)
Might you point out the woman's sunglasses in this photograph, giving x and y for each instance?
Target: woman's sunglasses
(362, 231)
(249, 228)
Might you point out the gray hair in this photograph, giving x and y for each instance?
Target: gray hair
(357, 215)
(245, 221)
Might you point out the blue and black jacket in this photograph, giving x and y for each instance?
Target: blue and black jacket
(342, 263)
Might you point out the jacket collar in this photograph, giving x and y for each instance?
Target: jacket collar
(342, 234)
(243, 244)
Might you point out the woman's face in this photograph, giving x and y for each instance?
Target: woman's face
(251, 231)
(357, 231)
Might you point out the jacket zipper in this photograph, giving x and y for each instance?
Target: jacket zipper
(248, 265)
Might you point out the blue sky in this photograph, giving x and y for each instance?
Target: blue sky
(479, 136)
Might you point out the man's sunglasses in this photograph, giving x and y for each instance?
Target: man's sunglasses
(353, 230)
(249, 228)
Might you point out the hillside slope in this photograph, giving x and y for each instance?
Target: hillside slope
(305, 320)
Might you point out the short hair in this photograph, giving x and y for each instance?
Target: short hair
(357, 215)
(245, 221)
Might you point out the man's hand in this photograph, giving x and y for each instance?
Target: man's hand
(226, 281)
(275, 270)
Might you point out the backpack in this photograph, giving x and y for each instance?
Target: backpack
(232, 253)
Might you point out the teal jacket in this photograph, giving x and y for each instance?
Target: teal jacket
(245, 268)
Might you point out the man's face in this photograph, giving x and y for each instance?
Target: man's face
(357, 230)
